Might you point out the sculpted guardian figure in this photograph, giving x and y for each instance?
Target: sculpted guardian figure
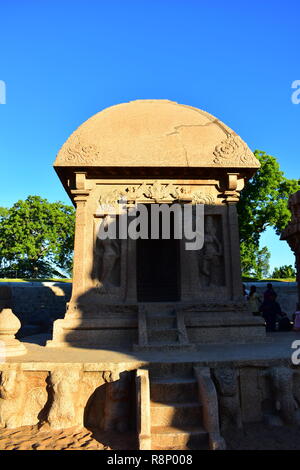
(210, 255)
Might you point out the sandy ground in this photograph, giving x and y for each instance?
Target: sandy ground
(253, 437)
(32, 438)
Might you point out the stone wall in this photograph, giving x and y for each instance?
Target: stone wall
(63, 396)
(38, 304)
(66, 396)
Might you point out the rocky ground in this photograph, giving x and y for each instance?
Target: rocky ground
(253, 437)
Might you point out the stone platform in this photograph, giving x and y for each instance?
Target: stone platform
(276, 347)
(168, 400)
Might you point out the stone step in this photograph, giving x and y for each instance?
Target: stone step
(173, 389)
(159, 308)
(161, 313)
(158, 346)
(162, 335)
(172, 370)
(161, 321)
(176, 414)
(179, 438)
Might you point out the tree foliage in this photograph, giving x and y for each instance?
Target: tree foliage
(36, 238)
(284, 272)
(263, 203)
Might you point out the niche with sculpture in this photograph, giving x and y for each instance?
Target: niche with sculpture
(107, 261)
(211, 256)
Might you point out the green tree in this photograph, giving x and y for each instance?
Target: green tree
(36, 238)
(255, 261)
(263, 203)
(3, 212)
(262, 266)
(284, 272)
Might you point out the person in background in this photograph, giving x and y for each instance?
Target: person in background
(270, 310)
(245, 292)
(254, 301)
(269, 292)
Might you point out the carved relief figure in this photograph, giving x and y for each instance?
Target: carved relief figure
(117, 402)
(107, 262)
(282, 391)
(63, 412)
(12, 398)
(228, 396)
(210, 265)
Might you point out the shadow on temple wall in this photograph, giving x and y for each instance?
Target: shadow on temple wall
(155, 282)
(106, 302)
(110, 412)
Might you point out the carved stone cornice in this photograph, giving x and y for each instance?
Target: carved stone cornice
(158, 193)
(80, 195)
(231, 187)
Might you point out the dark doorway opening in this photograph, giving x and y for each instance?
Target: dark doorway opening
(158, 268)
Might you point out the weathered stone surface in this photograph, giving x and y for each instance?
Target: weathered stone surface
(117, 401)
(143, 409)
(209, 400)
(229, 398)
(12, 398)
(170, 134)
(282, 391)
(251, 394)
(64, 411)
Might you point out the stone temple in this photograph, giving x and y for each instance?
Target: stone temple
(157, 349)
(149, 293)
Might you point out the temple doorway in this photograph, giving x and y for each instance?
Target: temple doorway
(158, 269)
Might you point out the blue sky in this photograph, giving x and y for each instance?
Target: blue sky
(62, 61)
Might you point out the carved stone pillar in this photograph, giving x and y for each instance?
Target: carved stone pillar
(233, 232)
(80, 196)
(231, 192)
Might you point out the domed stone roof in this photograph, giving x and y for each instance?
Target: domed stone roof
(154, 133)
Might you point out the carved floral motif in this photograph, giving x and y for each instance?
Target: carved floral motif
(202, 198)
(77, 151)
(232, 149)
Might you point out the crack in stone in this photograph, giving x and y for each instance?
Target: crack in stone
(177, 132)
(216, 121)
